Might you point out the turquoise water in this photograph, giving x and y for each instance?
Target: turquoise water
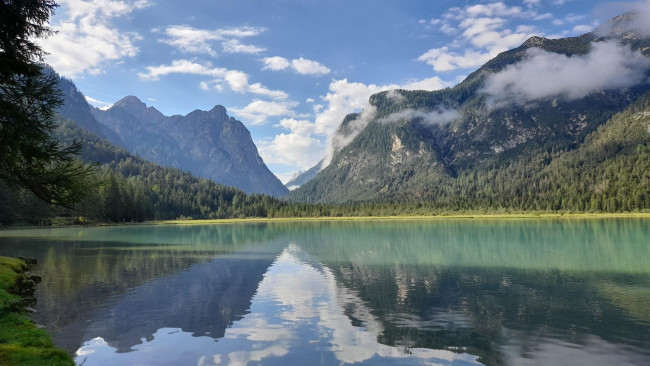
(446, 292)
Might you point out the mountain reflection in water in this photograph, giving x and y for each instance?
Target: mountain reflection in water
(467, 292)
(298, 313)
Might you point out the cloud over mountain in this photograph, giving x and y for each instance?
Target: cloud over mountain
(441, 115)
(545, 74)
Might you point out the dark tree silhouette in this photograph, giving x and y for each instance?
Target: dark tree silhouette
(30, 158)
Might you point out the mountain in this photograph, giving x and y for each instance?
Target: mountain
(209, 144)
(303, 177)
(76, 108)
(499, 138)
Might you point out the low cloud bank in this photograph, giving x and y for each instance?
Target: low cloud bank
(345, 135)
(542, 74)
(437, 117)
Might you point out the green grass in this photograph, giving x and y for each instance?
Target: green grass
(411, 217)
(21, 341)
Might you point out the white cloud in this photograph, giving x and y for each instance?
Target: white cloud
(86, 38)
(298, 147)
(180, 67)
(204, 85)
(258, 111)
(495, 9)
(447, 29)
(532, 3)
(582, 28)
(543, 16)
(301, 66)
(442, 59)
(395, 95)
(198, 41)
(439, 116)
(491, 9)
(98, 103)
(191, 40)
(340, 139)
(234, 46)
(236, 80)
(275, 63)
(342, 99)
(482, 33)
(308, 67)
(545, 74)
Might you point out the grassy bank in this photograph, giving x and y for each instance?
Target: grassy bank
(21, 341)
(410, 217)
(62, 223)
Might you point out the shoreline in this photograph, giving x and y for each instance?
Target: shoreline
(488, 216)
(505, 216)
(22, 342)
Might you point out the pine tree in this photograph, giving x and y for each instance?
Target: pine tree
(29, 157)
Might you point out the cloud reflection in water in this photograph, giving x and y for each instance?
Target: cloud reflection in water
(297, 316)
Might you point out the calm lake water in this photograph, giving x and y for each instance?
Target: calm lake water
(446, 292)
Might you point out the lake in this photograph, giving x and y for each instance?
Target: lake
(429, 292)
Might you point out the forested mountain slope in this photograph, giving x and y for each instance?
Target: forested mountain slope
(515, 134)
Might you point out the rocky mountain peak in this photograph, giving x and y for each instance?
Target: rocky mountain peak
(535, 41)
(218, 110)
(131, 103)
(139, 109)
(629, 26)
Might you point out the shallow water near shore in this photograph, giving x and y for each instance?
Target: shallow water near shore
(445, 292)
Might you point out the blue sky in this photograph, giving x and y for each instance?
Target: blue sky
(290, 70)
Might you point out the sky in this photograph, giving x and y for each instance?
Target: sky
(290, 70)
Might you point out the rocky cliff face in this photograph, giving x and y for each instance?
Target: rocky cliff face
(209, 144)
(77, 109)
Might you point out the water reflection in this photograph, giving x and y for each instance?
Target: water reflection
(86, 270)
(298, 313)
(494, 292)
